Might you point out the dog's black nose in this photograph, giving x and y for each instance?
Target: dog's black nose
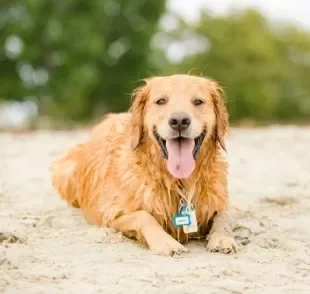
(179, 121)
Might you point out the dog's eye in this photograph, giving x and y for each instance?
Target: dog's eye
(197, 102)
(161, 101)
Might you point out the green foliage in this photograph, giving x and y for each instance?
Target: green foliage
(264, 68)
(77, 56)
(82, 58)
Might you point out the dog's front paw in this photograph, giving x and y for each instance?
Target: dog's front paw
(217, 242)
(166, 245)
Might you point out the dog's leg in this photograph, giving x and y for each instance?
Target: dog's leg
(64, 179)
(220, 238)
(144, 226)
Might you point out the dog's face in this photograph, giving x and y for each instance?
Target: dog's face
(180, 113)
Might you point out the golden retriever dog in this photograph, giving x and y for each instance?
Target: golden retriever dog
(157, 173)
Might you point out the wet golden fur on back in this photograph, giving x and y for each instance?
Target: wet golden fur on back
(120, 170)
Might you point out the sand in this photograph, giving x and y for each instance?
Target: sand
(47, 247)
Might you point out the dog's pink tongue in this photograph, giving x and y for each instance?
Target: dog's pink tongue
(181, 162)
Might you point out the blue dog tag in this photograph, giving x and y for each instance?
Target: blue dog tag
(186, 217)
(181, 220)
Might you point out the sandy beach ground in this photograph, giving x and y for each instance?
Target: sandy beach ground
(47, 247)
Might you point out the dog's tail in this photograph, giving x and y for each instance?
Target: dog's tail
(64, 175)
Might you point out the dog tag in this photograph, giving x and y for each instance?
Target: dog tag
(181, 220)
(192, 227)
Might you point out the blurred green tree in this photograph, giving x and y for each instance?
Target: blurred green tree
(75, 56)
(264, 67)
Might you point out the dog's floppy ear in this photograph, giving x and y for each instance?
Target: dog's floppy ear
(222, 123)
(139, 98)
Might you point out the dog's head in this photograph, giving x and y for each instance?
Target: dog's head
(180, 113)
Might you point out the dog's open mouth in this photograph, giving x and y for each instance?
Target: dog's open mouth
(181, 153)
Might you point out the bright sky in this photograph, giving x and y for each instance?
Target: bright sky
(294, 10)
